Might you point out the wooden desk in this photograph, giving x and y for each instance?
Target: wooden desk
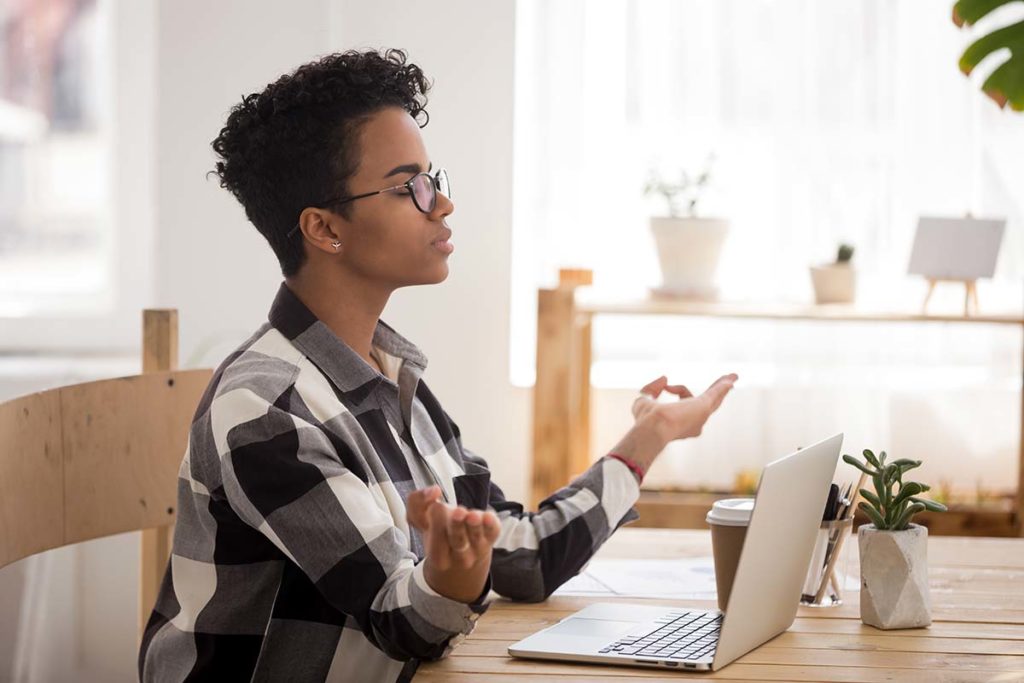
(977, 633)
(561, 397)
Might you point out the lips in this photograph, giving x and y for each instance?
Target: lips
(442, 243)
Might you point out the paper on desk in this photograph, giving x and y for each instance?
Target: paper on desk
(681, 579)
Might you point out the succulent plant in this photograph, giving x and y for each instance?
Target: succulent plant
(889, 509)
(845, 253)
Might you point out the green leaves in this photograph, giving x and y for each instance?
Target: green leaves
(1006, 82)
(894, 502)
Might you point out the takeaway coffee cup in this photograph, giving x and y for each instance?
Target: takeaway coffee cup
(728, 520)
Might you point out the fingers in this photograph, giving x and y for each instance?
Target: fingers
(715, 394)
(475, 532)
(654, 389)
(436, 538)
(491, 526)
(416, 506)
(458, 537)
(679, 390)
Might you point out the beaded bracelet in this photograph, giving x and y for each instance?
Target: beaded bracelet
(631, 464)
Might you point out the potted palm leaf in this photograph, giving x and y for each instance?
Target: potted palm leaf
(893, 551)
(1005, 84)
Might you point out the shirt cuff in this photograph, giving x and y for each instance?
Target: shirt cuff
(620, 492)
(444, 613)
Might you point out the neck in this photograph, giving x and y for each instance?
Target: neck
(349, 306)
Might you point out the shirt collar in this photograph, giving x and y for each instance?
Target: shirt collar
(336, 359)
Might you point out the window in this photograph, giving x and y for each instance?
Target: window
(73, 167)
(828, 122)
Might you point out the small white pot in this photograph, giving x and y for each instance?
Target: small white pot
(834, 283)
(894, 577)
(688, 253)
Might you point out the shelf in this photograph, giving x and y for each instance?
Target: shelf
(827, 312)
(686, 510)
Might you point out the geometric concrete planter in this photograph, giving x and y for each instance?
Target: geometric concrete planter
(894, 577)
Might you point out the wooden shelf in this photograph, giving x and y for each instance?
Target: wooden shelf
(686, 510)
(561, 411)
(823, 312)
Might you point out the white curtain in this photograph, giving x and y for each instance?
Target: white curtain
(829, 122)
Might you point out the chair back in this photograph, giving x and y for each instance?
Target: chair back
(90, 460)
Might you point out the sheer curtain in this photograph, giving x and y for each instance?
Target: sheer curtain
(828, 122)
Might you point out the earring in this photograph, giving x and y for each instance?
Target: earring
(336, 245)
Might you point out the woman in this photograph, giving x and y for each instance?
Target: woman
(331, 524)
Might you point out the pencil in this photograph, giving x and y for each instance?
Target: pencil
(839, 542)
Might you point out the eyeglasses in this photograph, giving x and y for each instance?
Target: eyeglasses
(422, 187)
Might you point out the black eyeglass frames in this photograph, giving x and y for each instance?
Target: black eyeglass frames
(422, 187)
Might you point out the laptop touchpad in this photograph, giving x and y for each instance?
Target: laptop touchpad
(598, 628)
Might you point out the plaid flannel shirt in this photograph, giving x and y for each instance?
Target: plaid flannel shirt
(292, 558)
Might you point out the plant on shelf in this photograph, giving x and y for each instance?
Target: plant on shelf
(893, 550)
(680, 197)
(836, 282)
(1006, 82)
(688, 246)
(844, 255)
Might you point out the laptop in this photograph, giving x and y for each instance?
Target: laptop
(765, 593)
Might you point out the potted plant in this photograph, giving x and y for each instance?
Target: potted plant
(893, 551)
(688, 245)
(836, 282)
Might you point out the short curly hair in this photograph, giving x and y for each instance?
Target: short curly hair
(295, 144)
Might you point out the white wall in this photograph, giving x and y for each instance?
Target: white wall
(213, 266)
(216, 269)
(467, 48)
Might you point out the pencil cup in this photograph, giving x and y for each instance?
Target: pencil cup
(827, 571)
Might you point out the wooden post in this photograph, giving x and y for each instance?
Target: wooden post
(1020, 464)
(579, 422)
(560, 436)
(159, 353)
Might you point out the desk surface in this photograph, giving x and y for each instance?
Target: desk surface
(977, 633)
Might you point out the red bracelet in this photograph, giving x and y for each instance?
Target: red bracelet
(631, 464)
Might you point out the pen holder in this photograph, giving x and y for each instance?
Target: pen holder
(822, 587)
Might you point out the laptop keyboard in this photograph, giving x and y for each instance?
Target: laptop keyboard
(680, 635)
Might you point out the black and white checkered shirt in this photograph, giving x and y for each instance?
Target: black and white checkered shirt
(292, 557)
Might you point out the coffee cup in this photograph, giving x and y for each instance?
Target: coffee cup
(728, 520)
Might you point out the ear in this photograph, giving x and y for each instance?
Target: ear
(321, 229)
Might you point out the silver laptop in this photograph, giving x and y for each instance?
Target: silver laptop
(765, 594)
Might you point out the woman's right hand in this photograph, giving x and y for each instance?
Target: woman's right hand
(683, 418)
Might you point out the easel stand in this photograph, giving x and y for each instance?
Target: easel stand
(970, 295)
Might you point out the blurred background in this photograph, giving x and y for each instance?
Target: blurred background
(819, 124)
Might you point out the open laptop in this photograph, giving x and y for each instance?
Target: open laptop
(765, 593)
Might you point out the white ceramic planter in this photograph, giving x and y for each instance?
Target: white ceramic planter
(688, 253)
(834, 284)
(894, 577)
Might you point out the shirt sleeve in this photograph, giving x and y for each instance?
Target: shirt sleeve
(536, 552)
(307, 493)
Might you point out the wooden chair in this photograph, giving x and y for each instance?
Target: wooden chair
(100, 458)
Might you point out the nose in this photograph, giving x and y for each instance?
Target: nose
(443, 207)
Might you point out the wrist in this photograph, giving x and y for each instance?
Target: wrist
(642, 443)
(639, 472)
(460, 585)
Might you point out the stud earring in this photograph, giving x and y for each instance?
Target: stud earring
(336, 245)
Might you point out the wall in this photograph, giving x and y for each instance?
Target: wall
(217, 270)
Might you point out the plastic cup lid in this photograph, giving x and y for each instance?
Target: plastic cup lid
(731, 512)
